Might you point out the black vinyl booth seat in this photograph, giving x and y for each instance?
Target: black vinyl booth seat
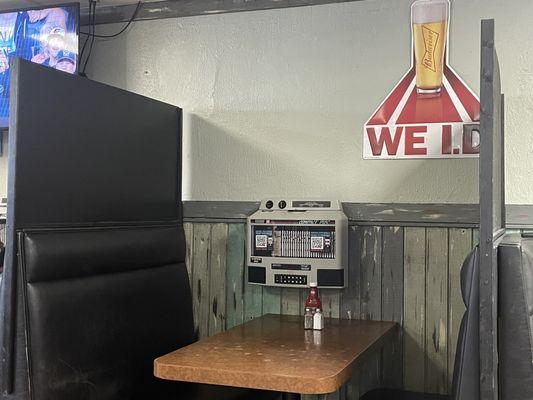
(515, 271)
(465, 384)
(95, 285)
(100, 305)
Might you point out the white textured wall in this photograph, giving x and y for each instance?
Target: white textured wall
(276, 100)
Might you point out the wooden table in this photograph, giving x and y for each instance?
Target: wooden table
(274, 352)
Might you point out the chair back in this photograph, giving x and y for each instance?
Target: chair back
(465, 384)
(515, 339)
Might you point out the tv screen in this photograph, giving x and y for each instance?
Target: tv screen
(46, 36)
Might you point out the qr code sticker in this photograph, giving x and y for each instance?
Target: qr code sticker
(317, 243)
(261, 241)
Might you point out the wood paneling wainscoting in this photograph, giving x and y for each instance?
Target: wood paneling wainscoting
(408, 274)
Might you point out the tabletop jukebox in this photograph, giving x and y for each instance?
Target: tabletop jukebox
(294, 243)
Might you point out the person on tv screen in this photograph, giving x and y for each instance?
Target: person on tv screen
(4, 82)
(7, 49)
(4, 73)
(40, 34)
(66, 61)
(52, 44)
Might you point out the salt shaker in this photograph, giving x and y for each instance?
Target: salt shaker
(308, 318)
(318, 320)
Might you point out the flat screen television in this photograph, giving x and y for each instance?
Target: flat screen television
(45, 35)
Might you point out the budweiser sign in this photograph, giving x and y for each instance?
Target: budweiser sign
(431, 113)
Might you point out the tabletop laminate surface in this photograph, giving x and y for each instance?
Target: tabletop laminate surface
(274, 352)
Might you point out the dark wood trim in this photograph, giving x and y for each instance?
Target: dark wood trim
(218, 211)
(519, 216)
(183, 8)
(463, 215)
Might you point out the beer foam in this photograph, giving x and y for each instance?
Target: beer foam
(427, 11)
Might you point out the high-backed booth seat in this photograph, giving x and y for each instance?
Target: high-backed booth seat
(515, 339)
(100, 305)
(95, 285)
(465, 384)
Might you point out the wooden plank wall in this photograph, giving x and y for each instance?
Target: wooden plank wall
(401, 273)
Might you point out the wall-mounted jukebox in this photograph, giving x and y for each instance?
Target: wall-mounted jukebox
(294, 243)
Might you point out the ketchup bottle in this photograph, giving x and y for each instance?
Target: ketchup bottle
(313, 301)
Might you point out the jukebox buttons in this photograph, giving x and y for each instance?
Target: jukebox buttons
(290, 279)
(282, 204)
(269, 204)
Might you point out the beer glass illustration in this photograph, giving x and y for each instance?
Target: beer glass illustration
(430, 32)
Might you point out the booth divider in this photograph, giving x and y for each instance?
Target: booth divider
(492, 208)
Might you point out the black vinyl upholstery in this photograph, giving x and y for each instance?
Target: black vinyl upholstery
(465, 385)
(466, 370)
(100, 303)
(515, 339)
(81, 154)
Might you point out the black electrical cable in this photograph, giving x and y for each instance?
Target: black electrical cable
(91, 35)
(122, 30)
(86, 39)
(92, 29)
